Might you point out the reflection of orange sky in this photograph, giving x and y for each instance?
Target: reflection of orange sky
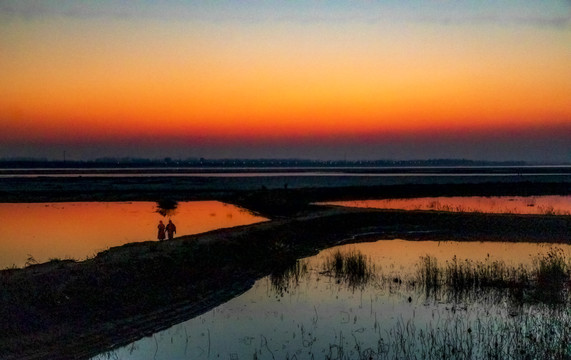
(78, 230)
(222, 80)
(557, 205)
(401, 256)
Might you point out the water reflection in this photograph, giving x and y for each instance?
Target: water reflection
(288, 277)
(465, 281)
(351, 267)
(306, 312)
(545, 205)
(167, 207)
(42, 231)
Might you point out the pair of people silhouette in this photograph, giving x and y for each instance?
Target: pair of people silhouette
(169, 229)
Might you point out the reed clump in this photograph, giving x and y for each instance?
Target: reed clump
(552, 269)
(552, 273)
(548, 281)
(352, 266)
(429, 274)
(471, 275)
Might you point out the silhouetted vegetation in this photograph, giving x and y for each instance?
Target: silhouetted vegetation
(552, 275)
(538, 334)
(351, 267)
(115, 162)
(548, 282)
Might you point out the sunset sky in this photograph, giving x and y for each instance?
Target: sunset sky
(483, 80)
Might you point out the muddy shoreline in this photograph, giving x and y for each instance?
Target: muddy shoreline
(75, 310)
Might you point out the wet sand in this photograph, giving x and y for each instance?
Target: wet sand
(74, 310)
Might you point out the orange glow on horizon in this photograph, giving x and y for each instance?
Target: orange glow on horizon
(284, 80)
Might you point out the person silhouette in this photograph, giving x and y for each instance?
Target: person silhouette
(171, 229)
(161, 234)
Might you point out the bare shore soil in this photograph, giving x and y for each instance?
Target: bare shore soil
(74, 310)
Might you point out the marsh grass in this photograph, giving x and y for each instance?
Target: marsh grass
(436, 205)
(352, 267)
(548, 281)
(552, 274)
(552, 269)
(30, 261)
(429, 273)
(473, 326)
(11, 267)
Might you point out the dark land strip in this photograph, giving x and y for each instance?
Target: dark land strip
(305, 188)
(74, 310)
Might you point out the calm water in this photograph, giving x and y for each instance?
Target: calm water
(551, 205)
(81, 229)
(319, 316)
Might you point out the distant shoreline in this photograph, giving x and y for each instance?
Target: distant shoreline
(261, 163)
(434, 170)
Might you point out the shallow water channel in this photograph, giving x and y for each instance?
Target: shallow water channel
(310, 312)
(38, 232)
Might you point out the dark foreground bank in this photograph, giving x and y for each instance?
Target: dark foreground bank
(74, 310)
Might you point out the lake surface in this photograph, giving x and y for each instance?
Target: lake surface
(546, 205)
(313, 314)
(82, 229)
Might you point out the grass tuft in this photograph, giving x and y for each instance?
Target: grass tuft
(352, 266)
(547, 282)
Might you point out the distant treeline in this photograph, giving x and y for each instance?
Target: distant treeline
(238, 163)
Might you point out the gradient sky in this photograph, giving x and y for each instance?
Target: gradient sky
(487, 80)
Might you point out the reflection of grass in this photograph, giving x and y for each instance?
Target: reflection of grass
(530, 333)
(351, 266)
(536, 334)
(288, 277)
(546, 282)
